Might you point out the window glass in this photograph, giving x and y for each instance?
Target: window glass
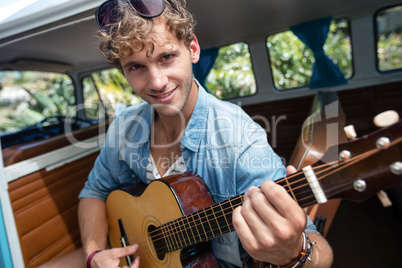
(389, 39)
(114, 92)
(232, 74)
(94, 108)
(29, 97)
(292, 61)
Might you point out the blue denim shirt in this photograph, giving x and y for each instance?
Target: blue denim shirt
(221, 144)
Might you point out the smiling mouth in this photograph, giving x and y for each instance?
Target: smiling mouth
(164, 95)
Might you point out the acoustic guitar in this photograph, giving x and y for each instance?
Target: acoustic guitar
(173, 219)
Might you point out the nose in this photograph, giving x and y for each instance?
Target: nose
(157, 78)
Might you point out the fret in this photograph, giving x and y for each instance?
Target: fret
(212, 223)
(173, 236)
(221, 215)
(297, 186)
(228, 212)
(195, 226)
(209, 227)
(236, 201)
(189, 231)
(218, 226)
(201, 228)
(179, 234)
(186, 238)
(290, 188)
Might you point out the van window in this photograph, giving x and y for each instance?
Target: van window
(389, 39)
(292, 61)
(107, 89)
(27, 98)
(232, 74)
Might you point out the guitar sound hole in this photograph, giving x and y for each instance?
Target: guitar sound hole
(158, 241)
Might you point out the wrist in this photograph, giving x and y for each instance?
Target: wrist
(304, 256)
(90, 257)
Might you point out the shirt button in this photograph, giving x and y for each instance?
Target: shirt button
(182, 146)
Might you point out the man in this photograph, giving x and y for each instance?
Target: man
(180, 127)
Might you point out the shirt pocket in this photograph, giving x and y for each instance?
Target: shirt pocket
(127, 177)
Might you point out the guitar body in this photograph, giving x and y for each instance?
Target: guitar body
(162, 201)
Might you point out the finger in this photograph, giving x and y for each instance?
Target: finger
(125, 251)
(260, 214)
(136, 263)
(260, 220)
(241, 227)
(290, 170)
(249, 191)
(283, 203)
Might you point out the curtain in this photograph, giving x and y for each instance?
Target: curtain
(203, 66)
(314, 34)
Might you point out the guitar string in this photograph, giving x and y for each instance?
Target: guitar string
(327, 171)
(175, 230)
(212, 231)
(338, 167)
(338, 189)
(330, 191)
(175, 222)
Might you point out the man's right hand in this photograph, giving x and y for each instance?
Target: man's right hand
(111, 257)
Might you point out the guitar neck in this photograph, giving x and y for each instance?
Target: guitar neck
(216, 220)
(330, 180)
(355, 178)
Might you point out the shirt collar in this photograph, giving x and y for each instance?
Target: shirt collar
(196, 127)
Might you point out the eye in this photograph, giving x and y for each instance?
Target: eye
(167, 57)
(136, 67)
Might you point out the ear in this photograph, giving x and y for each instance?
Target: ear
(195, 50)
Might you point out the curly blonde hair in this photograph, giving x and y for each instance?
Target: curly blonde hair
(132, 33)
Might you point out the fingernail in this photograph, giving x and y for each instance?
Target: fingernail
(246, 194)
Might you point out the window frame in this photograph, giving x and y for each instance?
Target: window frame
(352, 64)
(230, 99)
(376, 36)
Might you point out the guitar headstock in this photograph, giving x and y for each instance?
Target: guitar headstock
(360, 168)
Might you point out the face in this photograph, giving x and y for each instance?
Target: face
(164, 79)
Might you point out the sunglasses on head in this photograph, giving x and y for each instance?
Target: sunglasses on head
(107, 13)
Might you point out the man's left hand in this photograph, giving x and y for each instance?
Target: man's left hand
(270, 223)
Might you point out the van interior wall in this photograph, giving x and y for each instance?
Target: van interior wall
(365, 226)
(283, 119)
(45, 203)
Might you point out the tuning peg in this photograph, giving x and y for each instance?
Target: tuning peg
(384, 199)
(386, 118)
(350, 132)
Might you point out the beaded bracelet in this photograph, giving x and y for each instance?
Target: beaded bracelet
(304, 255)
(90, 258)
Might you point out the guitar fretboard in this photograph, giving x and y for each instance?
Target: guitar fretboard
(216, 220)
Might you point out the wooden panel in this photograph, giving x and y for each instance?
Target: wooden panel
(285, 119)
(45, 209)
(359, 106)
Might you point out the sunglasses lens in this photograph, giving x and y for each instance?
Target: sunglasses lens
(148, 8)
(108, 14)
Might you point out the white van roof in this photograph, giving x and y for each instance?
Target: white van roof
(63, 32)
(23, 15)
